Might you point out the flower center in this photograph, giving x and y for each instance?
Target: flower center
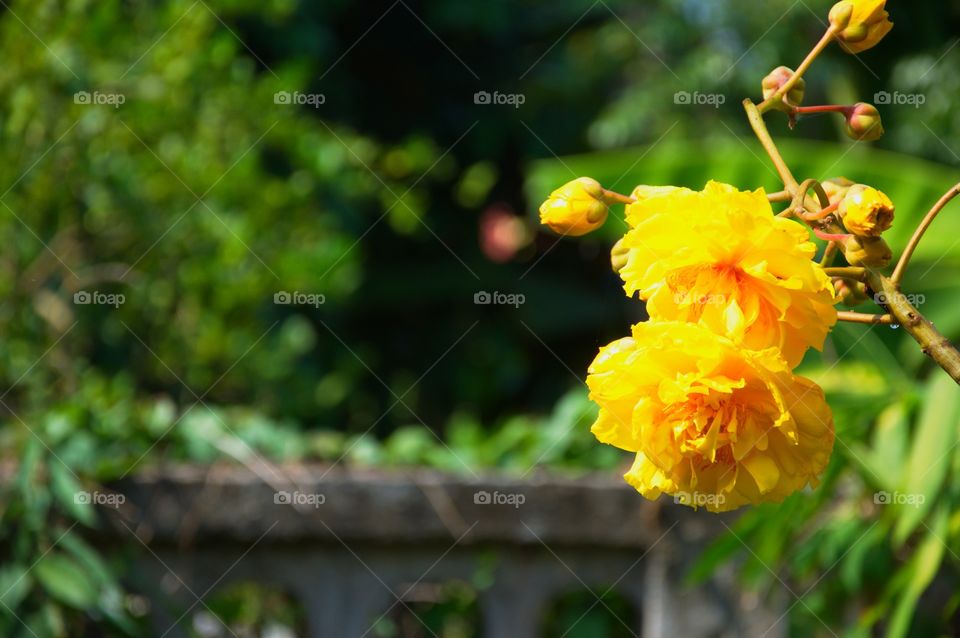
(701, 285)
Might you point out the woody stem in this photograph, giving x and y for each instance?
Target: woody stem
(931, 341)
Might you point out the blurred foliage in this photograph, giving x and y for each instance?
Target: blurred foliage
(249, 610)
(200, 198)
(447, 610)
(584, 614)
(52, 582)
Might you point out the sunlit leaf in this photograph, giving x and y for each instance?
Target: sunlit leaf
(936, 435)
(66, 580)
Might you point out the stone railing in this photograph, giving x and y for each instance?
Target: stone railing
(350, 545)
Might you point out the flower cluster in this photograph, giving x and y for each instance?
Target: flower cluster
(704, 393)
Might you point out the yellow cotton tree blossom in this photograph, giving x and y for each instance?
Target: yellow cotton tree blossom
(860, 24)
(576, 208)
(720, 257)
(711, 423)
(866, 211)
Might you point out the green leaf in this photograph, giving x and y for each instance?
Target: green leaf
(87, 557)
(852, 567)
(935, 437)
(890, 440)
(918, 573)
(65, 488)
(29, 459)
(15, 583)
(883, 462)
(66, 581)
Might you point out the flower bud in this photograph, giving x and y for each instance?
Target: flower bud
(867, 251)
(836, 188)
(863, 122)
(776, 79)
(576, 208)
(850, 293)
(618, 255)
(840, 15)
(866, 211)
(860, 24)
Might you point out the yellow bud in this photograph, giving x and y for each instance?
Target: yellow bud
(867, 251)
(866, 211)
(576, 208)
(840, 14)
(776, 79)
(860, 24)
(850, 293)
(618, 255)
(836, 188)
(863, 122)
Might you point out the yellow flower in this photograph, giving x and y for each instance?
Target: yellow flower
(712, 424)
(866, 211)
(721, 258)
(576, 208)
(618, 255)
(861, 24)
(643, 191)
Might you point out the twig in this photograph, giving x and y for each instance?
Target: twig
(863, 317)
(760, 130)
(847, 272)
(918, 233)
(827, 38)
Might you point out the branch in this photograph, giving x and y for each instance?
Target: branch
(933, 344)
(918, 234)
